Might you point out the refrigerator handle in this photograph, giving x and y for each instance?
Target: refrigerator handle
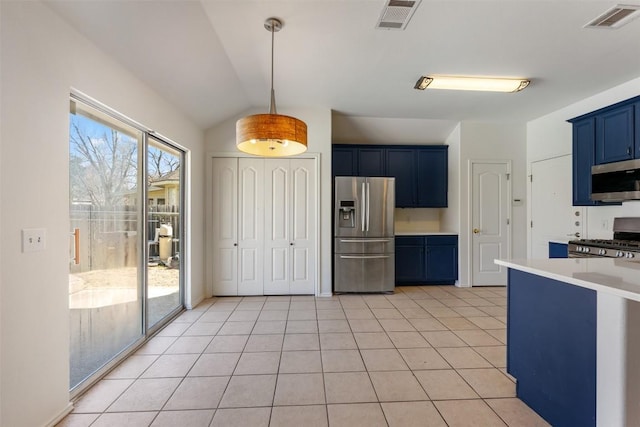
(368, 205)
(363, 205)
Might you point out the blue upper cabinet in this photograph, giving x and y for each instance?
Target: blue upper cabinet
(344, 161)
(610, 134)
(584, 137)
(433, 183)
(420, 170)
(615, 135)
(401, 164)
(371, 161)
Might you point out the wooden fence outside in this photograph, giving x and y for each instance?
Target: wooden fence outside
(109, 237)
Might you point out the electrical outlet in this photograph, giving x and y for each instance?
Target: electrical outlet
(605, 224)
(34, 239)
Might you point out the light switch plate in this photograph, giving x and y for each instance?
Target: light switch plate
(34, 239)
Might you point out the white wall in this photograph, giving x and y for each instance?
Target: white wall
(450, 217)
(484, 141)
(551, 136)
(221, 139)
(42, 59)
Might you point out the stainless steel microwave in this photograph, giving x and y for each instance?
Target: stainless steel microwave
(616, 182)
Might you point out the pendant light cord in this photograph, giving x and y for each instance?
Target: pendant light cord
(272, 108)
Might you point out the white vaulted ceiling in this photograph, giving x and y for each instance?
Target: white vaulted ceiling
(211, 58)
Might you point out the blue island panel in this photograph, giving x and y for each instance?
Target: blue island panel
(551, 348)
(558, 250)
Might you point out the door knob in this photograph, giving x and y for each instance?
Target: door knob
(476, 231)
(576, 234)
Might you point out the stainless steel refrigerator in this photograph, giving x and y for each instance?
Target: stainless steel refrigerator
(364, 242)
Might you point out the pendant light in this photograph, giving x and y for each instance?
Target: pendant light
(271, 135)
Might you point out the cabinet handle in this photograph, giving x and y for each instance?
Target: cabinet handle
(628, 151)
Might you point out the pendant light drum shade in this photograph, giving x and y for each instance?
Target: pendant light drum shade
(271, 135)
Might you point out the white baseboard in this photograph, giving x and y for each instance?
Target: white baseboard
(66, 411)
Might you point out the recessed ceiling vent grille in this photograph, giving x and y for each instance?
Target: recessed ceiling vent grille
(396, 14)
(615, 17)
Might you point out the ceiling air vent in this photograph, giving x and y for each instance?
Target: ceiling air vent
(615, 17)
(396, 14)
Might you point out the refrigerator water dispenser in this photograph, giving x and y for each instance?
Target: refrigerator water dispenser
(347, 214)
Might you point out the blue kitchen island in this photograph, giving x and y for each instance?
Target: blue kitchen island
(573, 339)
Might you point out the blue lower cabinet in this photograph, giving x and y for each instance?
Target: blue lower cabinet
(551, 348)
(410, 260)
(442, 259)
(558, 250)
(424, 260)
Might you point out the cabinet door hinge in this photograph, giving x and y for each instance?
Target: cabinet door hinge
(531, 224)
(508, 221)
(530, 178)
(508, 176)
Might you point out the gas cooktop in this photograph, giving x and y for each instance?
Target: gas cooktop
(625, 242)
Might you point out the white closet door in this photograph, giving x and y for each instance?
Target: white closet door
(225, 225)
(303, 226)
(277, 226)
(251, 226)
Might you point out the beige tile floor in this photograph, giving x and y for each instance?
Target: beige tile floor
(424, 356)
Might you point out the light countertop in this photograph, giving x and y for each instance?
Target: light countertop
(607, 275)
(424, 233)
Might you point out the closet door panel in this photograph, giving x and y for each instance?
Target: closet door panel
(277, 181)
(303, 226)
(225, 226)
(251, 226)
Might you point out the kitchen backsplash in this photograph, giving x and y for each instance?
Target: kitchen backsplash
(418, 220)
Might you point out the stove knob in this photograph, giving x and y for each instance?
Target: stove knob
(602, 252)
(619, 254)
(629, 255)
(587, 250)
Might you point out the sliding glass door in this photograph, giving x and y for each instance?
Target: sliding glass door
(105, 280)
(164, 225)
(125, 191)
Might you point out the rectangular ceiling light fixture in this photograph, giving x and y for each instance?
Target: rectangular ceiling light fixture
(487, 84)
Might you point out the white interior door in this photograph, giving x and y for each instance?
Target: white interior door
(251, 226)
(225, 226)
(490, 223)
(553, 216)
(303, 226)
